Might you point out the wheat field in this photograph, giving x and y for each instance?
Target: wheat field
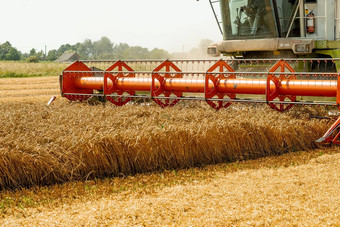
(10, 69)
(47, 145)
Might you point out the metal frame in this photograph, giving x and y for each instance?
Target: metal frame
(212, 2)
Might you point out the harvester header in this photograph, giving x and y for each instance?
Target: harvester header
(213, 81)
(280, 83)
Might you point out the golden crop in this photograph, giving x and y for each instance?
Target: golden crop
(66, 141)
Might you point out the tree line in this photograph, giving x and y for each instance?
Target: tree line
(88, 50)
(100, 49)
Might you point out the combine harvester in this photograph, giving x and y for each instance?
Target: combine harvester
(282, 53)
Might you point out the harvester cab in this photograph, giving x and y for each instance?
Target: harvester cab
(277, 28)
(277, 58)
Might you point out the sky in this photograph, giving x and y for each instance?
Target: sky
(173, 25)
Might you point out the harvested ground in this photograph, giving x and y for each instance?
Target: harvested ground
(28, 90)
(294, 189)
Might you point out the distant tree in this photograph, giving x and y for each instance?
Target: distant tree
(63, 48)
(87, 49)
(52, 55)
(103, 47)
(119, 50)
(159, 54)
(9, 53)
(13, 54)
(4, 50)
(33, 52)
(82, 49)
(6, 46)
(40, 55)
(137, 52)
(76, 46)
